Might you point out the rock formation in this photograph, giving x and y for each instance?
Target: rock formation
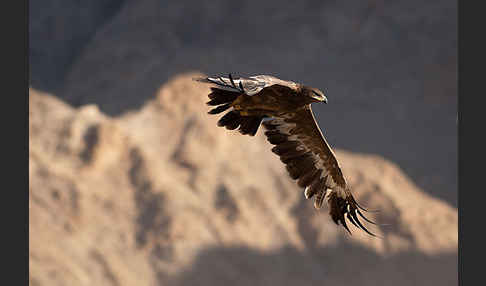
(162, 196)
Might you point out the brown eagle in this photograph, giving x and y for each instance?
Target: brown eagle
(284, 109)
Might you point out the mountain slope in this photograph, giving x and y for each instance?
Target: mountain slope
(162, 196)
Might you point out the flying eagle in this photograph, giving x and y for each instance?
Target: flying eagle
(284, 109)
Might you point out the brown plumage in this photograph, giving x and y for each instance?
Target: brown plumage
(284, 109)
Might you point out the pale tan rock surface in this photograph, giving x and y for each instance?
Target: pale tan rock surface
(162, 196)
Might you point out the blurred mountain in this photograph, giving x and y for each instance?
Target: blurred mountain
(162, 196)
(388, 68)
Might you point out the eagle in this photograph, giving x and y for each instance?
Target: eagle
(284, 109)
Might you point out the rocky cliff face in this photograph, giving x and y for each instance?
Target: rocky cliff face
(162, 196)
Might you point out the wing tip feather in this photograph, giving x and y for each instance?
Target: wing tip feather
(341, 209)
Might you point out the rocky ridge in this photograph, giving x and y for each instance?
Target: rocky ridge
(161, 196)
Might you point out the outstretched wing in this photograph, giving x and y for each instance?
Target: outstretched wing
(310, 160)
(250, 86)
(228, 89)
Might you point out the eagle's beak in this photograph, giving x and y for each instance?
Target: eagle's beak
(318, 96)
(321, 98)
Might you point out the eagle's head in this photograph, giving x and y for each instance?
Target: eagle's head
(314, 95)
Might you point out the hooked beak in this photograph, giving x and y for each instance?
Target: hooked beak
(320, 98)
(324, 99)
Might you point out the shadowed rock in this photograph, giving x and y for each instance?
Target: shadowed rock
(131, 214)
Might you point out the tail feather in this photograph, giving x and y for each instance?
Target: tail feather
(220, 108)
(222, 96)
(230, 119)
(219, 96)
(250, 125)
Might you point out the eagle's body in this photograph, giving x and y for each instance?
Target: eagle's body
(283, 108)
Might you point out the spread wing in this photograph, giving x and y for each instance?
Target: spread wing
(228, 89)
(250, 86)
(310, 160)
